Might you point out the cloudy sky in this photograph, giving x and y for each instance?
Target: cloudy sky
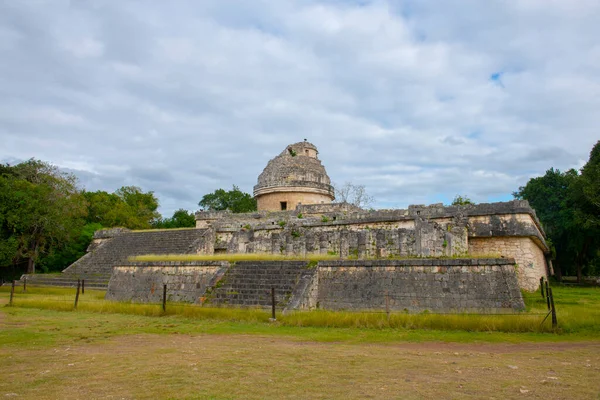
(417, 100)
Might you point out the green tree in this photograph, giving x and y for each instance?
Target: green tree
(180, 219)
(66, 253)
(460, 200)
(233, 200)
(550, 197)
(585, 196)
(128, 207)
(40, 208)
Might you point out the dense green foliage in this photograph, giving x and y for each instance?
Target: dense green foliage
(180, 219)
(233, 200)
(47, 221)
(40, 209)
(568, 206)
(129, 207)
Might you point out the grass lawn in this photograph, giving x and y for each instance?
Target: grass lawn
(114, 352)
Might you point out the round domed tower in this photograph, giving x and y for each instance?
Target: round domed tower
(296, 176)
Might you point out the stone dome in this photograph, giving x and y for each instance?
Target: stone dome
(296, 176)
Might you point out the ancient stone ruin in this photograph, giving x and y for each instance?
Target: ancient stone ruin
(294, 177)
(439, 258)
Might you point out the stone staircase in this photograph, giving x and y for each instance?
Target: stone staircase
(117, 250)
(95, 281)
(248, 284)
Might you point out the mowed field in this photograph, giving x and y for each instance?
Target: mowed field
(49, 354)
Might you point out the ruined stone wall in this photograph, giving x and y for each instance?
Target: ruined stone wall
(419, 231)
(438, 285)
(143, 282)
(272, 201)
(529, 257)
(418, 285)
(404, 238)
(108, 251)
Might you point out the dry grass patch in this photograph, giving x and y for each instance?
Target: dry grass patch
(256, 367)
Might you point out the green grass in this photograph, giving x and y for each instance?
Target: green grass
(49, 354)
(578, 312)
(232, 257)
(331, 255)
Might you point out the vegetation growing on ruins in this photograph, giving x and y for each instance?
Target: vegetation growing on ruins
(331, 255)
(568, 206)
(460, 200)
(234, 257)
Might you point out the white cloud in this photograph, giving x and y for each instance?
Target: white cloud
(185, 98)
(84, 47)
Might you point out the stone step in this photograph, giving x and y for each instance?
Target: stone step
(265, 273)
(253, 302)
(251, 291)
(99, 287)
(67, 280)
(87, 280)
(233, 288)
(270, 281)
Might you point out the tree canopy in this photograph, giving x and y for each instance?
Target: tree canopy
(233, 200)
(40, 208)
(46, 220)
(128, 207)
(180, 219)
(568, 206)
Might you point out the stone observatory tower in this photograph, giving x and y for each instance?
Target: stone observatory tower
(296, 176)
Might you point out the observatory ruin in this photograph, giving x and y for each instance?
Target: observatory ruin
(433, 257)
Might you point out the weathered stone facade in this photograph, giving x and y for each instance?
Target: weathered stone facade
(186, 281)
(294, 177)
(509, 229)
(440, 285)
(416, 285)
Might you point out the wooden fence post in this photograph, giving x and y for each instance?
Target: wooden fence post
(554, 320)
(387, 304)
(83, 286)
(542, 286)
(273, 303)
(25, 284)
(164, 305)
(77, 294)
(12, 293)
(547, 295)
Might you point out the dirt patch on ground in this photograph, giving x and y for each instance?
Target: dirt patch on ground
(258, 367)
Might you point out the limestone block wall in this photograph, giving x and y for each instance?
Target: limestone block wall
(143, 282)
(293, 198)
(360, 240)
(417, 285)
(439, 285)
(529, 257)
